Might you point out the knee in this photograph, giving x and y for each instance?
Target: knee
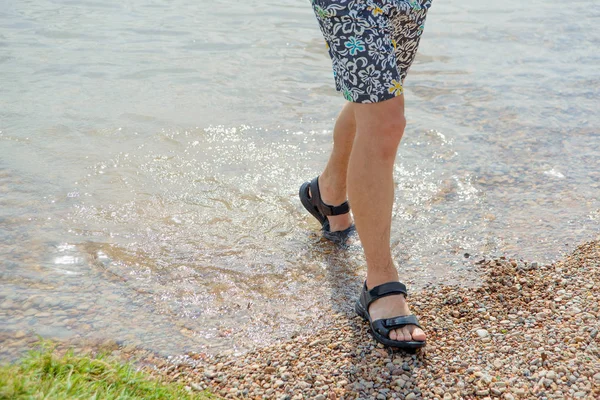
(386, 134)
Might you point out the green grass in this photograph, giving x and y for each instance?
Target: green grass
(44, 375)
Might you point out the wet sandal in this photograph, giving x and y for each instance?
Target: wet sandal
(315, 206)
(381, 327)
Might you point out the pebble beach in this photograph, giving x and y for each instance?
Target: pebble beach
(528, 331)
(150, 159)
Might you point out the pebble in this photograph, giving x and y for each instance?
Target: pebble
(482, 333)
(526, 346)
(210, 374)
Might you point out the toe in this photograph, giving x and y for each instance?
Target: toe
(394, 334)
(400, 334)
(406, 334)
(416, 333)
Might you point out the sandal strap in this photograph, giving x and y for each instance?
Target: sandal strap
(387, 289)
(384, 326)
(326, 209)
(399, 322)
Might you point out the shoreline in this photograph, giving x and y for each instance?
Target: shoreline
(529, 331)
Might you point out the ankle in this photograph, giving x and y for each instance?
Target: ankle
(332, 192)
(383, 275)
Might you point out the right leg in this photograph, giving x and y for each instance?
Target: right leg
(380, 127)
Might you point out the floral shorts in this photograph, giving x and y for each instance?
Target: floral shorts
(372, 43)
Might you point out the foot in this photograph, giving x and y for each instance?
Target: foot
(395, 306)
(336, 222)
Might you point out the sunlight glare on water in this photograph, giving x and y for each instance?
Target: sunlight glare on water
(151, 154)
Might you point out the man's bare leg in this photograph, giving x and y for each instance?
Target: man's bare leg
(379, 129)
(332, 182)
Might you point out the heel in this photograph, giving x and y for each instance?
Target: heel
(361, 311)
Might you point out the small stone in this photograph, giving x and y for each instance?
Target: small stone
(410, 396)
(320, 397)
(304, 385)
(597, 377)
(210, 374)
(482, 333)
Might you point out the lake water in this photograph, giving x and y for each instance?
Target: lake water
(151, 152)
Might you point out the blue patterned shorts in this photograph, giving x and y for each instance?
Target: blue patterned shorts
(372, 43)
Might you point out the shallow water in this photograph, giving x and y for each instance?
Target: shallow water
(151, 152)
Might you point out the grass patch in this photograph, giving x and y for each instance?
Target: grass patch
(45, 375)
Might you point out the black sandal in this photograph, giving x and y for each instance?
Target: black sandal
(381, 327)
(314, 205)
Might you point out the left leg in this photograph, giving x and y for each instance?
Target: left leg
(332, 182)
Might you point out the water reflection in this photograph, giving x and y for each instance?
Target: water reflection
(148, 175)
